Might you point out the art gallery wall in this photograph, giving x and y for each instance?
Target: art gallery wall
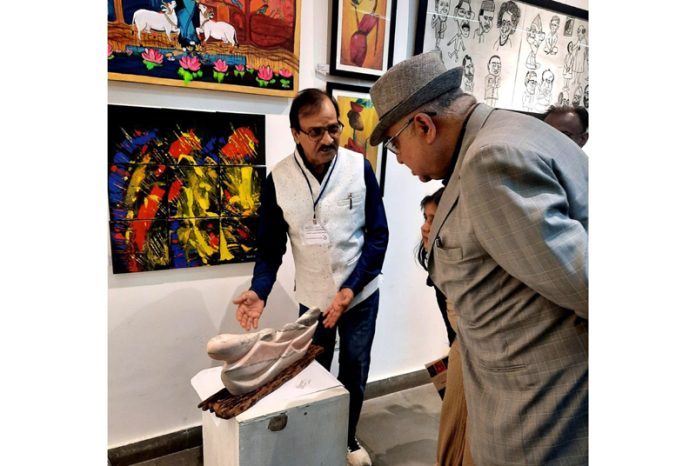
(159, 322)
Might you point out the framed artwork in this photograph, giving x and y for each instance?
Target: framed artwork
(519, 55)
(362, 38)
(249, 46)
(184, 187)
(359, 117)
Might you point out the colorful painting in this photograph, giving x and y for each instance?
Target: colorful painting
(359, 117)
(362, 37)
(519, 55)
(249, 46)
(184, 187)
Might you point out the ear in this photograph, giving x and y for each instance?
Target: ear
(295, 135)
(425, 126)
(585, 136)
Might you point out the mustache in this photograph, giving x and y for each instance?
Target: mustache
(327, 147)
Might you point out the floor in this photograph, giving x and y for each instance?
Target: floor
(396, 429)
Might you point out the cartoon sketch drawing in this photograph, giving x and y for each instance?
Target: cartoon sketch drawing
(439, 21)
(358, 40)
(543, 97)
(486, 14)
(568, 64)
(586, 97)
(577, 96)
(535, 36)
(468, 80)
(569, 27)
(530, 82)
(563, 99)
(493, 80)
(219, 30)
(580, 53)
(550, 47)
(508, 17)
(463, 14)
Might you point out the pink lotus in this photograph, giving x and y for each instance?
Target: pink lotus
(220, 66)
(265, 73)
(109, 51)
(190, 63)
(285, 73)
(239, 67)
(153, 56)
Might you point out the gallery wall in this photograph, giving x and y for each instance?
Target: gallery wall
(159, 322)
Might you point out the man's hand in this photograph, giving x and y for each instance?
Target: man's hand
(249, 309)
(338, 307)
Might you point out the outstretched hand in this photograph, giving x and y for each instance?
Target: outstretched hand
(338, 307)
(249, 309)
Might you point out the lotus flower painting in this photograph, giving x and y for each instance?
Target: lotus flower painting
(238, 46)
(183, 187)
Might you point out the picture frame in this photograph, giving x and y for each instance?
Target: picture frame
(249, 47)
(362, 38)
(359, 118)
(537, 59)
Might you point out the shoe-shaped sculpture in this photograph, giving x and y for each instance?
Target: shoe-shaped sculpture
(252, 360)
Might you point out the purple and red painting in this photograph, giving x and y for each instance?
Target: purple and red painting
(184, 187)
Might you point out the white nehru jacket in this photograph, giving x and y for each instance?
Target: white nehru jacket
(321, 269)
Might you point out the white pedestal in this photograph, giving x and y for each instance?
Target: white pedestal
(304, 422)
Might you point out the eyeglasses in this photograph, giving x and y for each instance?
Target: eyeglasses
(317, 132)
(390, 142)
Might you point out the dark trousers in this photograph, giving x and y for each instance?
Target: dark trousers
(356, 329)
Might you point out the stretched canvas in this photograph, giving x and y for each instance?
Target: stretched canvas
(247, 46)
(184, 187)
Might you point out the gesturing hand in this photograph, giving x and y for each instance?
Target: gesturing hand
(337, 307)
(249, 309)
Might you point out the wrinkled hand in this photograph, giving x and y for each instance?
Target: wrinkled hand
(337, 307)
(249, 309)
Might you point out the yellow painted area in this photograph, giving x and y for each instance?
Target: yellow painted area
(369, 119)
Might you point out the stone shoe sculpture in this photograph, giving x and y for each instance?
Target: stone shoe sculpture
(254, 359)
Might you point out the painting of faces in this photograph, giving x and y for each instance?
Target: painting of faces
(515, 55)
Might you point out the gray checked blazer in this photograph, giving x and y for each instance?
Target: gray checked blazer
(509, 250)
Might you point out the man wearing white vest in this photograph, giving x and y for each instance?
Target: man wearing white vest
(327, 201)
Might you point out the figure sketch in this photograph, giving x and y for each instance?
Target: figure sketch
(508, 17)
(569, 27)
(580, 53)
(550, 47)
(486, 14)
(462, 15)
(468, 80)
(586, 97)
(530, 83)
(563, 99)
(535, 36)
(439, 21)
(358, 41)
(545, 90)
(568, 65)
(493, 80)
(577, 96)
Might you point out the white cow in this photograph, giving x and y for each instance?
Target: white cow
(146, 20)
(219, 30)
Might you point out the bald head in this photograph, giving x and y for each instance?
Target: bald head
(571, 121)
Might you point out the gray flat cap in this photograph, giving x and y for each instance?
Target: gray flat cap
(408, 85)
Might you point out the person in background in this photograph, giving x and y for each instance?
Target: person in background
(572, 121)
(508, 247)
(452, 447)
(327, 201)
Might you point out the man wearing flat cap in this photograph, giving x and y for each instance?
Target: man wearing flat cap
(508, 247)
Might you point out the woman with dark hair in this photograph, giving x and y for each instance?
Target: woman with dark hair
(452, 447)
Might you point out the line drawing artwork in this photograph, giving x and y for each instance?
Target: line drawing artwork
(543, 98)
(530, 84)
(550, 47)
(463, 14)
(439, 21)
(568, 65)
(586, 96)
(485, 18)
(493, 80)
(508, 17)
(563, 99)
(569, 27)
(535, 36)
(580, 53)
(468, 80)
(578, 95)
(364, 25)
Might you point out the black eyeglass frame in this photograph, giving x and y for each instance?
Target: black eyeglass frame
(324, 130)
(389, 143)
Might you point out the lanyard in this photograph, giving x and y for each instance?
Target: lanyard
(325, 181)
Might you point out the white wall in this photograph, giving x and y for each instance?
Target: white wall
(159, 322)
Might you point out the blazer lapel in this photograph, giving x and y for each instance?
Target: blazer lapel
(451, 193)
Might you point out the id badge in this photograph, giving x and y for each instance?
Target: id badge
(314, 234)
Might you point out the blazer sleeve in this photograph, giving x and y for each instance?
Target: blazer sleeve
(520, 215)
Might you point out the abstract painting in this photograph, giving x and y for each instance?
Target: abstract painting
(359, 117)
(362, 38)
(249, 46)
(184, 187)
